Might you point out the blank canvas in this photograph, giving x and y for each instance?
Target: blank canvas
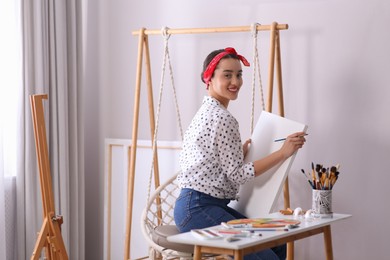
(259, 196)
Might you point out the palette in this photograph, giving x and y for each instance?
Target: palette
(264, 222)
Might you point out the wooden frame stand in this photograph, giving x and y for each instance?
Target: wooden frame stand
(49, 236)
(143, 47)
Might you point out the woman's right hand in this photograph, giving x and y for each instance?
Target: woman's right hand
(292, 143)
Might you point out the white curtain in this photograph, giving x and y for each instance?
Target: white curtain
(52, 64)
(10, 89)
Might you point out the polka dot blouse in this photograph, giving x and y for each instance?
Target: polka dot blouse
(212, 159)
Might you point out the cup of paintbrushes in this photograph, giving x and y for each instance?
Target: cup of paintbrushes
(322, 203)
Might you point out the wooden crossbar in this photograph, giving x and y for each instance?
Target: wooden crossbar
(259, 27)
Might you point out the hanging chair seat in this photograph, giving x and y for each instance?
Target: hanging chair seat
(160, 234)
(158, 223)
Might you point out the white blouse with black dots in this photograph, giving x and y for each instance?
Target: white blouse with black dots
(212, 159)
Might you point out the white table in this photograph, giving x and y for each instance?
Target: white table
(268, 239)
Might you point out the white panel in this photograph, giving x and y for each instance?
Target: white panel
(168, 153)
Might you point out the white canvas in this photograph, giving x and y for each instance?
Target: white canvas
(258, 197)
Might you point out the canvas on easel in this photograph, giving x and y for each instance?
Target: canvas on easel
(49, 236)
(258, 197)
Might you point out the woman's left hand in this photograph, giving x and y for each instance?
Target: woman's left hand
(245, 146)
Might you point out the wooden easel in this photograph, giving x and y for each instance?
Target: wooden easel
(143, 45)
(50, 234)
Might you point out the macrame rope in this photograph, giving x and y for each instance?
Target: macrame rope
(166, 58)
(256, 71)
(174, 94)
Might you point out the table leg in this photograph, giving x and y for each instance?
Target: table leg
(238, 255)
(197, 253)
(328, 243)
(290, 251)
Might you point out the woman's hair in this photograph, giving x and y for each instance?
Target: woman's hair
(211, 56)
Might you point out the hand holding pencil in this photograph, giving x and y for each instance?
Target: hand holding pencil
(292, 143)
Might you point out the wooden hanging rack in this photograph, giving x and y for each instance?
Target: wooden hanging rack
(143, 45)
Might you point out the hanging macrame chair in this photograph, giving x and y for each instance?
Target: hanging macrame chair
(157, 220)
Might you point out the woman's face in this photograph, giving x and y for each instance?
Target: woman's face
(227, 81)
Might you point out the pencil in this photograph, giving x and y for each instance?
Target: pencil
(284, 139)
(266, 229)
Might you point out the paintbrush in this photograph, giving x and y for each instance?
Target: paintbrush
(308, 178)
(313, 175)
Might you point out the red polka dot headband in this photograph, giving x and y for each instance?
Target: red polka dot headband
(208, 73)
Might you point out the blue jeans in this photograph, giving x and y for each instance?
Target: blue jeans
(194, 209)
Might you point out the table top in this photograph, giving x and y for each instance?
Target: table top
(266, 236)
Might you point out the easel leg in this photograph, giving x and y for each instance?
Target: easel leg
(54, 245)
(56, 240)
(41, 240)
(328, 243)
(50, 234)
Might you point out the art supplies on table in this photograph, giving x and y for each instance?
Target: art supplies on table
(322, 178)
(262, 223)
(235, 232)
(245, 228)
(322, 203)
(206, 234)
(227, 234)
(322, 181)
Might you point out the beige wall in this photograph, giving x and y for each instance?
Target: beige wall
(335, 60)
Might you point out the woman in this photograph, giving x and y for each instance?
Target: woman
(212, 159)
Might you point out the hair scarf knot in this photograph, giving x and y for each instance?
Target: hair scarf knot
(208, 73)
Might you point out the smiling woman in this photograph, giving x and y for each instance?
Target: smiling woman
(212, 160)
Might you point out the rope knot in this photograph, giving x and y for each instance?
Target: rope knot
(165, 33)
(254, 29)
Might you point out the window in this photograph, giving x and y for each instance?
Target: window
(10, 83)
